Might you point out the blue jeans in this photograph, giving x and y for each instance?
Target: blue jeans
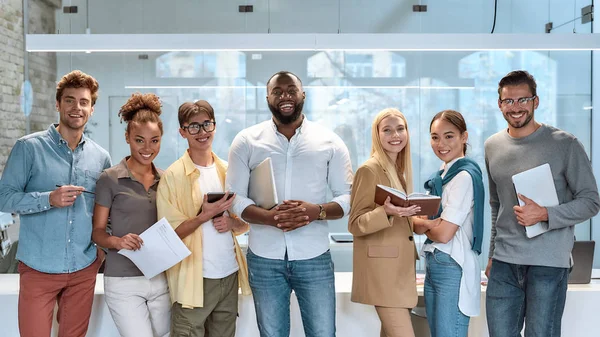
(442, 288)
(516, 292)
(272, 282)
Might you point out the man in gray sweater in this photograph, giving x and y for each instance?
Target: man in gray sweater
(528, 276)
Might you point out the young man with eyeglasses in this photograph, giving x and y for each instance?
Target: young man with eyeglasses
(528, 276)
(204, 286)
(289, 244)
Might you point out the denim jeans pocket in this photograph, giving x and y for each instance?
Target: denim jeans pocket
(443, 258)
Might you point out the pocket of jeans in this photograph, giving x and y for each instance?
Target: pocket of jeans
(443, 258)
(383, 251)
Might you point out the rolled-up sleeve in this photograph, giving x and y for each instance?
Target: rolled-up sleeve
(459, 199)
(238, 174)
(340, 175)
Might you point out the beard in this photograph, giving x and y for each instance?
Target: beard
(283, 119)
(518, 125)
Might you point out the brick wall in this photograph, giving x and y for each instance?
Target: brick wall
(42, 71)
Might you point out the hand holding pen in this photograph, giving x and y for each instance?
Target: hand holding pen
(65, 195)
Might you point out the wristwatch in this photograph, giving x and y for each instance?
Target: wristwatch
(322, 213)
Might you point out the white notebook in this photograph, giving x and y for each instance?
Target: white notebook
(536, 184)
(262, 185)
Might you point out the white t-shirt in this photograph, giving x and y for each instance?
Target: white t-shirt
(218, 250)
(458, 204)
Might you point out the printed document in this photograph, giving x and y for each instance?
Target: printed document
(161, 250)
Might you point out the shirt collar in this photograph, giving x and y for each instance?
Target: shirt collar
(189, 165)
(123, 170)
(58, 139)
(298, 130)
(447, 166)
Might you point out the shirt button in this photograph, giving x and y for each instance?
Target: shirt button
(70, 222)
(69, 240)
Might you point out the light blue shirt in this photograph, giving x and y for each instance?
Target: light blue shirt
(52, 240)
(312, 162)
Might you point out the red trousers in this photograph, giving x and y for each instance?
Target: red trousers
(39, 293)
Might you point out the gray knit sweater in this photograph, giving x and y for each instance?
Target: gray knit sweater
(575, 185)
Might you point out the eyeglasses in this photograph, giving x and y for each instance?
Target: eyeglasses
(522, 101)
(194, 128)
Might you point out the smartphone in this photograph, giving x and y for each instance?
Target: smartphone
(216, 196)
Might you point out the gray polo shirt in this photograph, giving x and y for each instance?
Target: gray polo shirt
(132, 210)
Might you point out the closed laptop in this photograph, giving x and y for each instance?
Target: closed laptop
(583, 261)
(262, 188)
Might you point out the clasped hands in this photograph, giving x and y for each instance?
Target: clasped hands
(293, 214)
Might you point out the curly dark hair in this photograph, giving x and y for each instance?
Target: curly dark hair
(141, 108)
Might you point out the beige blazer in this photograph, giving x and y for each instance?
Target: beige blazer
(384, 249)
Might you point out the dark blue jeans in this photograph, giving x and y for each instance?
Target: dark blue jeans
(533, 295)
(272, 282)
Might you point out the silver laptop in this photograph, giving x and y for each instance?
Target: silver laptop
(262, 188)
(583, 261)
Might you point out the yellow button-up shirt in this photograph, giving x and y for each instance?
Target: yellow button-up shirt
(178, 199)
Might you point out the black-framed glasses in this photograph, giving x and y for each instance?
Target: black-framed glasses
(194, 127)
(521, 101)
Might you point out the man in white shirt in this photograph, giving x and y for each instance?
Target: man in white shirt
(289, 244)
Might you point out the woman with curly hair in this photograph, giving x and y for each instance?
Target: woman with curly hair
(126, 193)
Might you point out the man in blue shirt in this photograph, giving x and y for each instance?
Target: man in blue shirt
(58, 261)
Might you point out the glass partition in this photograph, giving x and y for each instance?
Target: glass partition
(344, 90)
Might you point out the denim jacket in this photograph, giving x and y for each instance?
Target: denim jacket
(52, 240)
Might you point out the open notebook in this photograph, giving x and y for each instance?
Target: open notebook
(430, 204)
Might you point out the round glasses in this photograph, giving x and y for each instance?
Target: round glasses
(194, 128)
(521, 101)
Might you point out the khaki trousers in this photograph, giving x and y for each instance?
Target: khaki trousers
(217, 317)
(395, 322)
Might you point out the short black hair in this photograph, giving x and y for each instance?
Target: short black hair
(284, 73)
(517, 77)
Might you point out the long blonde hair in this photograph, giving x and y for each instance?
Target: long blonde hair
(400, 172)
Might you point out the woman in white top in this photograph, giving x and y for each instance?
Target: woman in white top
(453, 276)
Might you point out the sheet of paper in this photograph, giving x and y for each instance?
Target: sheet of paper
(161, 250)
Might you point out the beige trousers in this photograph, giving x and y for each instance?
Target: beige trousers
(395, 322)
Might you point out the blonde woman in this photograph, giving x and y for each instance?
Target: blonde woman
(384, 249)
